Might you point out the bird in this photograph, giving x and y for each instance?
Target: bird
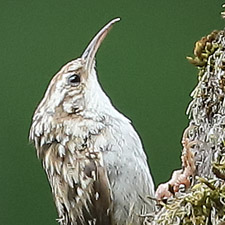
(91, 153)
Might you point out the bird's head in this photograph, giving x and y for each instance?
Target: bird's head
(75, 88)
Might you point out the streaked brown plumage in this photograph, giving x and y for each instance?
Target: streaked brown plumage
(92, 156)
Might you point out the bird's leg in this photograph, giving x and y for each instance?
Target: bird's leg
(188, 166)
(179, 177)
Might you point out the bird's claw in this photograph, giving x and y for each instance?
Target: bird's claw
(180, 179)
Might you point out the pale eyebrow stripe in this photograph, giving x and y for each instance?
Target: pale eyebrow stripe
(73, 68)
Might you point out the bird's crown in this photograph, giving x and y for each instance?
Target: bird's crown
(75, 88)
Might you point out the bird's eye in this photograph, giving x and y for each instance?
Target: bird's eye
(74, 80)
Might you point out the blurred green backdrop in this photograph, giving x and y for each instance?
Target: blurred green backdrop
(141, 66)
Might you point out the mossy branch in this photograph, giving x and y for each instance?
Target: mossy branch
(204, 201)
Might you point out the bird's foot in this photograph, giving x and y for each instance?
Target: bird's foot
(180, 178)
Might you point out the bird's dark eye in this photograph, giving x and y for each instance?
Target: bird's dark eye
(74, 80)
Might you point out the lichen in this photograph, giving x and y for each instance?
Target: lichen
(204, 201)
(203, 204)
(202, 50)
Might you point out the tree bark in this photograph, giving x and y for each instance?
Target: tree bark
(204, 201)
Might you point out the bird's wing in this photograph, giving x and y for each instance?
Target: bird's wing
(101, 197)
(79, 183)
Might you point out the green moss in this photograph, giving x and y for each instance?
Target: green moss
(204, 200)
(202, 50)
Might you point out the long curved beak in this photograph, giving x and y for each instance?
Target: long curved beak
(89, 54)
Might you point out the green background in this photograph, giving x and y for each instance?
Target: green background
(141, 66)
